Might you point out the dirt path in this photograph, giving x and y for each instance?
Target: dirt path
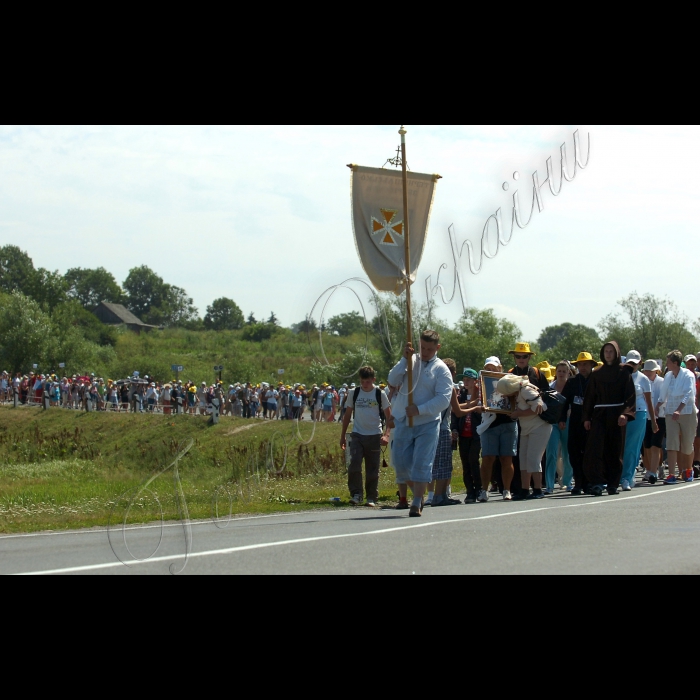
(243, 427)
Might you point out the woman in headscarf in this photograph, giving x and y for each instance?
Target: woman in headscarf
(609, 404)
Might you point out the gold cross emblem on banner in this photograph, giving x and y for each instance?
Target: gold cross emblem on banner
(387, 228)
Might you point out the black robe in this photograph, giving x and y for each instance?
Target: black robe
(611, 384)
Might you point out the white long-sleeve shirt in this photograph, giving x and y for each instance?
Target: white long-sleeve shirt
(656, 388)
(432, 389)
(679, 390)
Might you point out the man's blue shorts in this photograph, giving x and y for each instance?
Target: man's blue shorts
(413, 451)
(500, 440)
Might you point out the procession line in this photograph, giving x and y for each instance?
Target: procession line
(304, 540)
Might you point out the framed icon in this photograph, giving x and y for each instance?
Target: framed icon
(492, 400)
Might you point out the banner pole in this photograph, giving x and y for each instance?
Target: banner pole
(407, 260)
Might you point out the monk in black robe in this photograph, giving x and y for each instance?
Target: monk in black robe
(609, 404)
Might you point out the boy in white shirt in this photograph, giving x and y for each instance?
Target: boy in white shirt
(366, 404)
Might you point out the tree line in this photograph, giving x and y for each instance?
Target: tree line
(143, 292)
(47, 317)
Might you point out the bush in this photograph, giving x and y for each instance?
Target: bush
(258, 332)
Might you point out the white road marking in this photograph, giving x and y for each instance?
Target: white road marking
(413, 526)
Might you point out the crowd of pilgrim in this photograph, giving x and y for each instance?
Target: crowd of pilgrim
(613, 417)
(140, 394)
(613, 411)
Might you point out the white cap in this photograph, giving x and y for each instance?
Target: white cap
(633, 356)
(651, 366)
(493, 360)
(690, 357)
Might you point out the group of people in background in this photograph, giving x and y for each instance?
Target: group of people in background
(142, 394)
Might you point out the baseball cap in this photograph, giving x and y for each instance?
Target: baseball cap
(470, 373)
(690, 357)
(493, 360)
(634, 356)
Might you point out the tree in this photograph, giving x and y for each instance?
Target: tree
(579, 339)
(178, 308)
(26, 331)
(478, 335)
(223, 315)
(354, 358)
(146, 289)
(90, 287)
(50, 288)
(346, 324)
(71, 314)
(273, 319)
(551, 335)
(17, 273)
(156, 302)
(306, 326)
(650, 325)
(251, 319)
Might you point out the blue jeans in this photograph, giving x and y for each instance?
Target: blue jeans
(413, 451)
(634, 437)
(558, 437)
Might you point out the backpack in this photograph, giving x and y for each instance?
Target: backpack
(554, 403)
(378, 394)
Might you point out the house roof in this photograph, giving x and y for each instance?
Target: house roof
(124, 315)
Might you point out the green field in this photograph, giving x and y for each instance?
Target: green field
(65, 469)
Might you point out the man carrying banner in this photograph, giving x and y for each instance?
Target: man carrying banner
(413, 448)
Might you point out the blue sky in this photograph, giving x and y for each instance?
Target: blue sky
(261, 214)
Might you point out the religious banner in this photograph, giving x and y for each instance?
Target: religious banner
(378, 223)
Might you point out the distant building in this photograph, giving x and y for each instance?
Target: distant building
(118, 315)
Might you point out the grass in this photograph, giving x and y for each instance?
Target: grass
(199, 351)
(64, 469)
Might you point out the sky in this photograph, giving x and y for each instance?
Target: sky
(261, 214)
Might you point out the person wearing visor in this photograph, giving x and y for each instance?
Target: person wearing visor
(499, 443)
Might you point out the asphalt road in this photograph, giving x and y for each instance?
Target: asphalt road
(653, 529)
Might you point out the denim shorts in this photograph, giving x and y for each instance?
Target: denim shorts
(413, 451)
(500, 440)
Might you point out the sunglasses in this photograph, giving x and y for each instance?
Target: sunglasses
(521, 357)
